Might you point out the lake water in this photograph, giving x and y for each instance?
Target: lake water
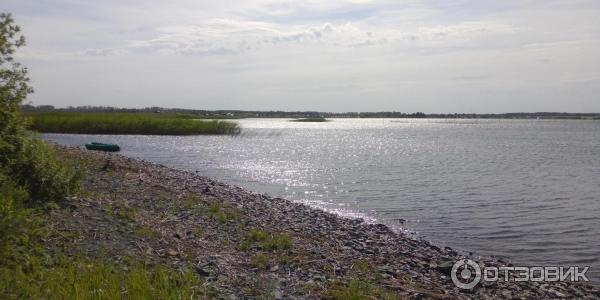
(527, 190)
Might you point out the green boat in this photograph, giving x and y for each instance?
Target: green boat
(102, 147)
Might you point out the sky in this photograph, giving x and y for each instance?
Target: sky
(445, 56)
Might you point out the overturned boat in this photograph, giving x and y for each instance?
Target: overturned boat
(102, 147)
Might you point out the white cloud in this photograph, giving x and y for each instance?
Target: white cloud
(325, 55)
(102, 52)
(230, 36)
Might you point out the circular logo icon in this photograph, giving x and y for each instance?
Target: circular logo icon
(466, 274)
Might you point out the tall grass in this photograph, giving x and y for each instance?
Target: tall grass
(82, 279)
(127, 123)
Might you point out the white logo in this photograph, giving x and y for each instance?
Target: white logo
(466, 274)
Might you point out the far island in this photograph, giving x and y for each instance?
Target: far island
(318, 119)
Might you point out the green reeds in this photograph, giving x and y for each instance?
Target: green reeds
(127, 123)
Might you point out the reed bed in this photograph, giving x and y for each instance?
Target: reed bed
(128, 123)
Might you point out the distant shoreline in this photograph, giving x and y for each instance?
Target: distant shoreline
(241, 114)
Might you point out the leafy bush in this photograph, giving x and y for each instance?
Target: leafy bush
(19, 230)
(36, 168)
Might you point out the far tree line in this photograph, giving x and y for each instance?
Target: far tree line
(308, 114)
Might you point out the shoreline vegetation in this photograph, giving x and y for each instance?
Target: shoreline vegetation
(35, 186)
(127, 123)
(316, 120)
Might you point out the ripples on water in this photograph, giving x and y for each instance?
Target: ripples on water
(527, 190)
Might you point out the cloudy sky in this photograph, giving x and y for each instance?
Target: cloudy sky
(337, 55)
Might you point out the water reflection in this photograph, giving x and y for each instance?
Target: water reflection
(522, 189)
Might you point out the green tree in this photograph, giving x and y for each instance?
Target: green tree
(14, 86)
(28, 163)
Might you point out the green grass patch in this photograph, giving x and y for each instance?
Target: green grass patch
(125, 213)
(146, 232)
(278, 242)
(191, 200)
(358, 289)
(362, 266)
(127, 123)
(215, 212)
(81, 279)
(260, 261)
(222, 213)
(245, 245)
(267, 241)
(257, 235)
(197, 232)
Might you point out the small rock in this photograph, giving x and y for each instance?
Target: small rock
(418, 296)
(445, 267)
(205, 269)
(172, 253)
(506, 294)
(386, 270)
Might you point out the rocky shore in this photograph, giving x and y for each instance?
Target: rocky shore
(247, 245)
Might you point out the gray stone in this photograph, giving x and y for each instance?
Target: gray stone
(445, 267)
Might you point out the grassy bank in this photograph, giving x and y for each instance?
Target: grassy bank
(127, 123)
(38, 258)
(82, 279)
(158, 235)
(311, 120)
(41, 260)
